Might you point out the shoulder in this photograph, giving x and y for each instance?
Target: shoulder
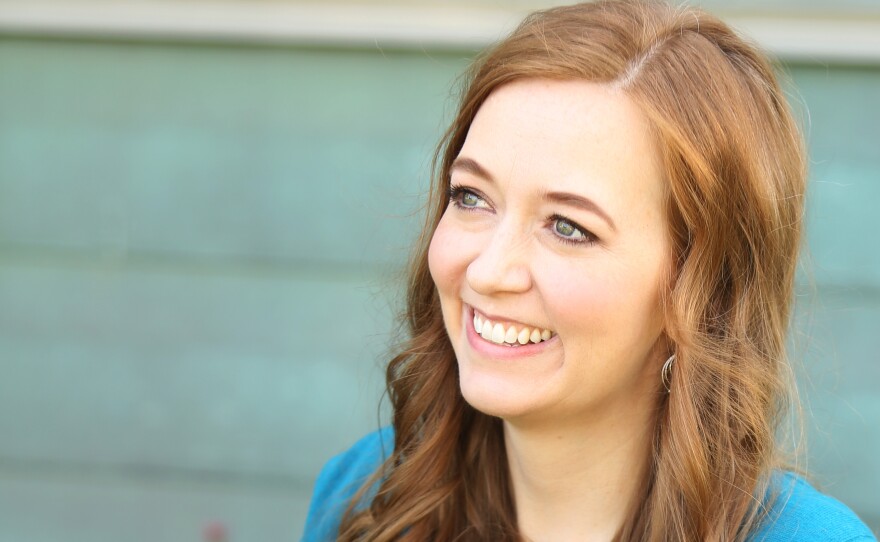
(340, 479)
(801, 513)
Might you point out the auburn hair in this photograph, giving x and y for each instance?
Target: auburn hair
(734, 162)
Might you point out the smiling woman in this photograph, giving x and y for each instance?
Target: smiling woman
(599, 301)
(523, 246)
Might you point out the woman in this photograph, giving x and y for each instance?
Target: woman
(598, 305)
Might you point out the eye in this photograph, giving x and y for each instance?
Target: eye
(570, 232)
(465, 198)
(469, 199)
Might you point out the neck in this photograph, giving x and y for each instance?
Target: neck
(577, 481)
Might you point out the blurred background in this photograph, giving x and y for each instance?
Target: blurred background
(204, 210)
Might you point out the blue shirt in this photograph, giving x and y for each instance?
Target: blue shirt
(800, 513)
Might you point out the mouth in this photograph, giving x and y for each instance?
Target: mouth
(506, 333)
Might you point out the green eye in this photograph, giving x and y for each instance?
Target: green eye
(469, 199)
(466, 199)
(567, 229)
(570, 232)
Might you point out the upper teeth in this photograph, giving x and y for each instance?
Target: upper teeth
(499, 334)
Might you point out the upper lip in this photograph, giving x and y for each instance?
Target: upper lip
(498, 319)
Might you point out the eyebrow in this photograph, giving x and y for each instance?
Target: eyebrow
(471, 166)
(580, 202)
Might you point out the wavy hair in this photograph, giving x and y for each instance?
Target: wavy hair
(734, 162)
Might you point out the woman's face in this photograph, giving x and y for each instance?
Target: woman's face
(555, 232)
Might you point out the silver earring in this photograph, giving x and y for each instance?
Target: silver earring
(665, 375)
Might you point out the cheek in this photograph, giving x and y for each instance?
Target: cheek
(445, 256)
(583, 300)
(597, 304)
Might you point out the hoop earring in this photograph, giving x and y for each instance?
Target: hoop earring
(665, 375)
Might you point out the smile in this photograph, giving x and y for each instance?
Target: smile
(509, 334)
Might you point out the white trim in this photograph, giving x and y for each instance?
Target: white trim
(414, 26)
(814, 39)
(273, 22)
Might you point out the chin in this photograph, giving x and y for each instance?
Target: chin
(498, 409)
(497, 396)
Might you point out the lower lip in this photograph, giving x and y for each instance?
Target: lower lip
(498, 351)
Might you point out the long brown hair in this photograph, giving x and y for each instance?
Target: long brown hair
(735, 168)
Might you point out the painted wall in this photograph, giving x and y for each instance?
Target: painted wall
(199, 257)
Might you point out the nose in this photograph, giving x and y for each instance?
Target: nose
(502, 265)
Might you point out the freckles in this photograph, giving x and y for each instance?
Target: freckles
(585, 300)
(436, 259)
(445, 256)
(571, 282)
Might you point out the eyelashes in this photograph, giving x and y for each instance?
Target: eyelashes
(571, 232)
(563, 229)
(466, 198)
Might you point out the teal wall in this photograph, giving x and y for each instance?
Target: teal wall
(199, 248)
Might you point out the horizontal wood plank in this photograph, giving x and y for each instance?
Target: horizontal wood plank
(70, 509)
(285, 155)
(212, 374)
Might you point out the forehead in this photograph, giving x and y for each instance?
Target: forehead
(574, 135)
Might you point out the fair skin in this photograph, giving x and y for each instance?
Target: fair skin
(555, 239)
